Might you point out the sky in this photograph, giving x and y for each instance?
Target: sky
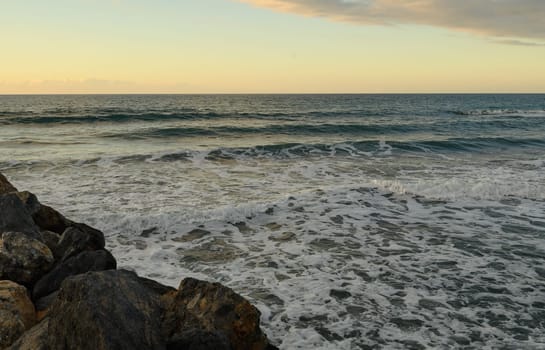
(271, 46)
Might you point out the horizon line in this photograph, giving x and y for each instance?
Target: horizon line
(267, 93)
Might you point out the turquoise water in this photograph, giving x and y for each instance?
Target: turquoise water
(352, 221)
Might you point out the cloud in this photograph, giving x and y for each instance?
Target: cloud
(493, 18)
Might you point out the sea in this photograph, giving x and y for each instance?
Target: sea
(350, 221)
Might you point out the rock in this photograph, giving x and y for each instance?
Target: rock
(105, 310)
(14, 216)
(42, 305)
(51, 239)
(30, 201)
(77, 239)
(195, 339)
(213, 308)
(5, 185)
(16, 312)
(49, 219)
(34, 339)
(97, 260)
(23, 259)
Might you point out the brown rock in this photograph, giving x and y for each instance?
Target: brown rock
(16, 312)
(23, 259)
(5, 185)
(214, 308)
(49, 219)
(33, 339)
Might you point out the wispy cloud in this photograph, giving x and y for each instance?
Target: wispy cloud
(493, 18)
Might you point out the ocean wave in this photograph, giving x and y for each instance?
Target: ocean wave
(500, 112)
(105, 118)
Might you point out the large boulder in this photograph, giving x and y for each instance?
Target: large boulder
(5, 186)
(49, 219)
(97, 260)
(200, 306)
(78, 238)
(30, 201)
(105, 310)
(23, 259)
(16, 312)
(14, 216)
(45, 217)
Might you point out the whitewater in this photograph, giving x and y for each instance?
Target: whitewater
(350, 221)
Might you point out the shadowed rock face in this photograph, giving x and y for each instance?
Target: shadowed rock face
(97, 260)
(14, 216)
(23, 259)
(105, 310)
(77, 239)
(16, 312)
(5, 186)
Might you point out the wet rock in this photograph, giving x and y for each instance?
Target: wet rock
(77, 239)
(14, 216)
(16, 312)
(23, 259)
(429, 304)
(5, 185)
(49, 219)
(42, 305)
(410, 325)
(105, 310)
(97, 260)
(461, 340)
(214, 308)
(337, 219)
(283, 237)
(195, 339)
(210, 252)
(51, 240)
(30, 201)
(340, 294)
(192, 235)
(34, 339)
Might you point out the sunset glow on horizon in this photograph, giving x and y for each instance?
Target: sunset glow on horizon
(271, 46)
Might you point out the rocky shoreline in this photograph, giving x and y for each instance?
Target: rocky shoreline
(60, 289)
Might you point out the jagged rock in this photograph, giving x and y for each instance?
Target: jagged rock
(33, 339)
(30, 201)
(23, 259)
(16, 312)
(49, 219)
(42, 305)
(5, 185)
(213, 308)
(97, 260)
(51, 239)
(195, 339)
(105, 310)
(77, 239)
(14, 216)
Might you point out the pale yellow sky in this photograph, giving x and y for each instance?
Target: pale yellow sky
(223, 46)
